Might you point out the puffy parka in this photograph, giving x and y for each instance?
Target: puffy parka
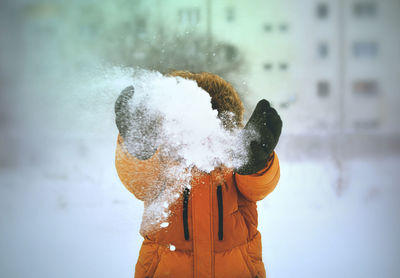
(213, 226)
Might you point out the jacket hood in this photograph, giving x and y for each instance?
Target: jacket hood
(224, 97)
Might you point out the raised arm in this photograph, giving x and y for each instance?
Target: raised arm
(137, 160)
(260, 175)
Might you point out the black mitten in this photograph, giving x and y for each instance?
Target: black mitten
(138, 127)
(260, 135)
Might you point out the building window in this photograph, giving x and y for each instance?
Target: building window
(230, 14)
(365, 49)
(189, 16)
(365, 9)
(267, 27)
(231, 53)
(365, 88)
(322, 10)
(140, 26)
(283, 66)
(323, 88)
(267, 66)
(283, 27)
(366, 124)
(322, 50)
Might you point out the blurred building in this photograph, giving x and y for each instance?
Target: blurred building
(328, 65)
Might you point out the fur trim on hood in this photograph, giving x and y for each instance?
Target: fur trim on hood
(224, 97)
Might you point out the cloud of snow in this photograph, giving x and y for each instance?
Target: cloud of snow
(176, 115)
(190, 131)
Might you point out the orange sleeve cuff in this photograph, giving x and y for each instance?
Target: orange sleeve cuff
(138, 176)
(257, 186)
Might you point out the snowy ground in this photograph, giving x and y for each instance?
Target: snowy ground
(64, 213)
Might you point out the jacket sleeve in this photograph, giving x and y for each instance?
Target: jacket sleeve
(257, 186)
(141, 177)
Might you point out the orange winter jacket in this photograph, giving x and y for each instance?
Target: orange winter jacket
(213, 227)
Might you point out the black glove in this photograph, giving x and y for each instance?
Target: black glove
(138, 127)
(260, 135)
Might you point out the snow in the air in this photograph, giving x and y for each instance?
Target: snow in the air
(191, 132)
(187, 131)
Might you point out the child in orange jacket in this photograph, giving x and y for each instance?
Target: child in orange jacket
(212, 228)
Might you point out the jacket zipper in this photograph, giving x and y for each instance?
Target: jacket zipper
(186, 193)
(220, 213)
